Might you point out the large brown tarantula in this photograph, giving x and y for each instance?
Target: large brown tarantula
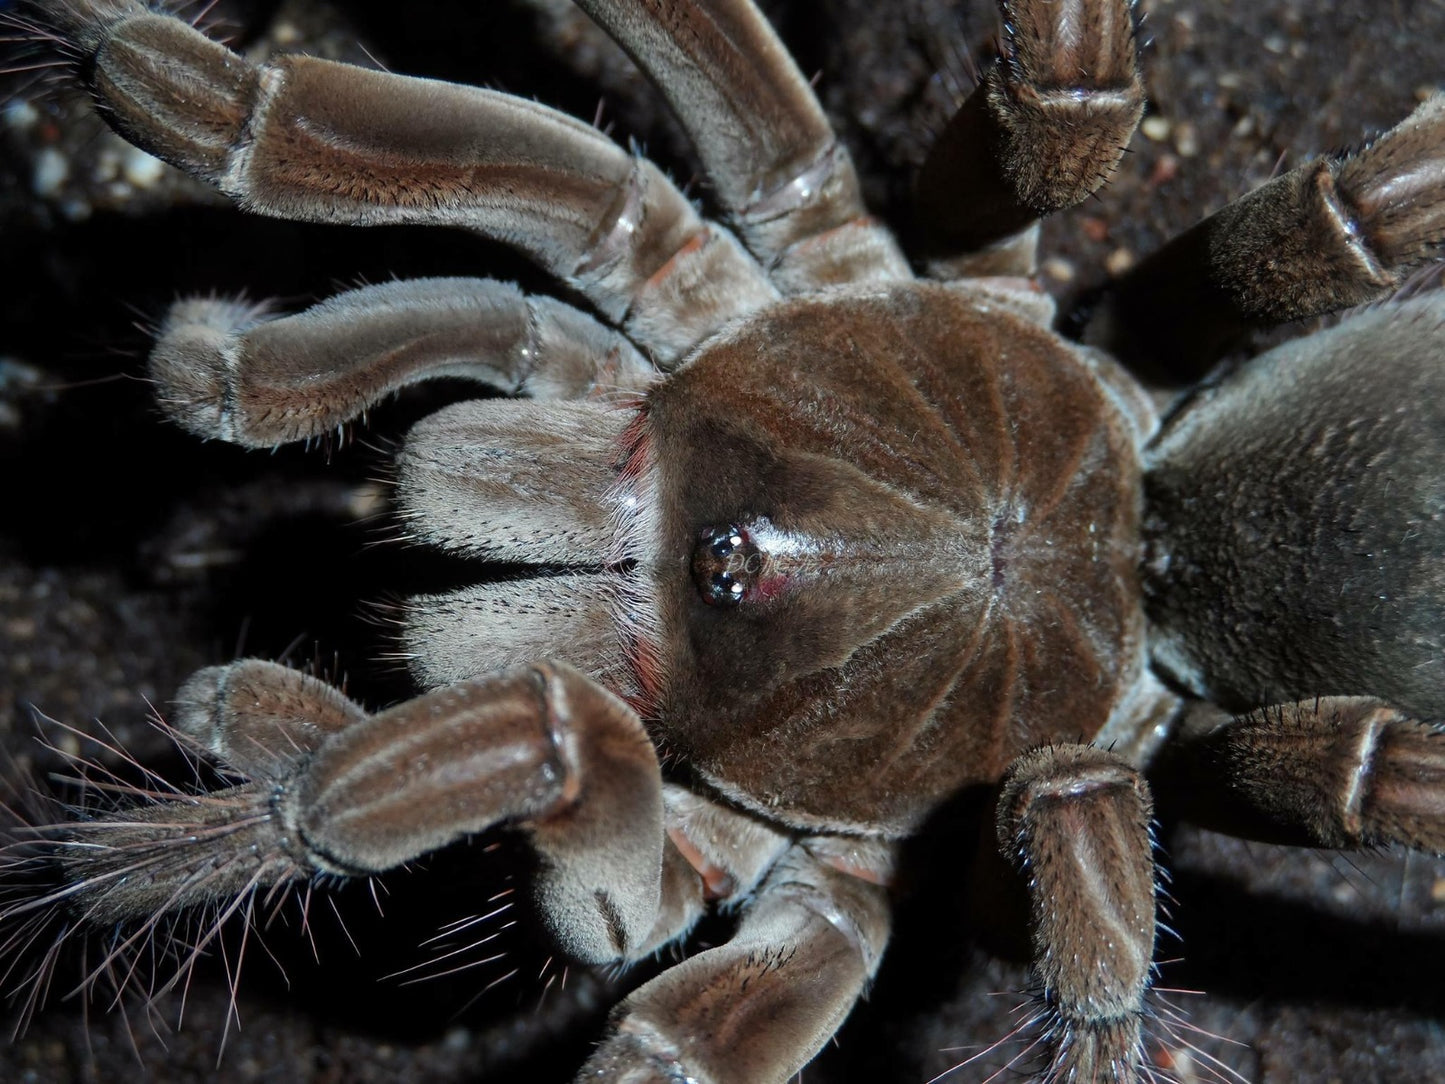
(841, 542)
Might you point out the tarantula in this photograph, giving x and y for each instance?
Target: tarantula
(841, 542)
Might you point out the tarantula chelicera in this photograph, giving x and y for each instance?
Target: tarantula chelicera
(810, 544)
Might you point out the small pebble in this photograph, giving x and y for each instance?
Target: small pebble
(1119, 261)
(22, 628)
(1164, 171)
(1186, 140)
(141, 169)
(107, 164)
(21, 115)
(1059, 269)
(52, 170)
(1156, 128)
(1095, 228)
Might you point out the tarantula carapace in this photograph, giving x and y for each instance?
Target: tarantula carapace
(831, 540)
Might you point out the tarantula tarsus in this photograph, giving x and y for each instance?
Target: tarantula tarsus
(842, 541)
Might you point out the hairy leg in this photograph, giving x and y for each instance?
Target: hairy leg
(1337, 771)
(1041, 133)
(1336, 232)
(775, 165)
(758, 1008)
(312, 140)
(1075, 820)
(231, 371)
(336, 791)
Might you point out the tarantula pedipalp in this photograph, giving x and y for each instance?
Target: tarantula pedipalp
(811, 609)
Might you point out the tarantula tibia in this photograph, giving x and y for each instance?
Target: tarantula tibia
(844, 541)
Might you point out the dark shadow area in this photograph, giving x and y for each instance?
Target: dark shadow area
(1237, 941)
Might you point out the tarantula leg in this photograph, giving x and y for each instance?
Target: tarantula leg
(561, 483)
(1042, 132)
(773, 160)
(545, 748)
(756, 1009)
(260, 717)
(1339, 771)
(1075, 820)
(1330, 234)
(518, 481)
(312, 140)
(584, 618)
(229, 371)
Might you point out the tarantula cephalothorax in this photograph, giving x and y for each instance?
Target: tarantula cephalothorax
(841, 540)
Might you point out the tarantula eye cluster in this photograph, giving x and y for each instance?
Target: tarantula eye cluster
(725, 565)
